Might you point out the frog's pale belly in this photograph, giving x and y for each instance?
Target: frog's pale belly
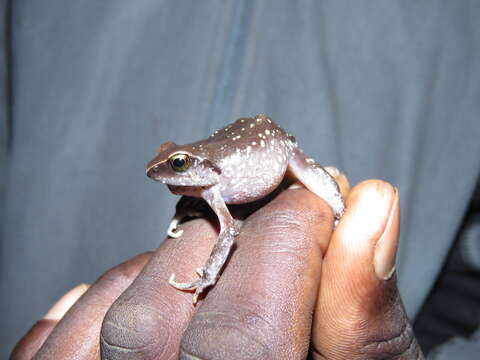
(248, 189)
(246, 182)
(254, 166)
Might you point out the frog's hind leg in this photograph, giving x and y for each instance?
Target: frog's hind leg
(210, 272)
(317, 180)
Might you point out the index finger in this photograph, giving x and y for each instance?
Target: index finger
(262, 304)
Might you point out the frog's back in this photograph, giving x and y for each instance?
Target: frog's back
(247, 128)
(253, 154)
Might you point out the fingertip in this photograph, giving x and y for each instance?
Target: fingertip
(343, 184)
(332, 170)
(28, 346)
(368, 208)
(60, 308)
(341, 180)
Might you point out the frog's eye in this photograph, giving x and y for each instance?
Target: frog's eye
(180, 162)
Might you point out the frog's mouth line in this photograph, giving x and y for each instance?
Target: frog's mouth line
(187, 190)
(175, 188)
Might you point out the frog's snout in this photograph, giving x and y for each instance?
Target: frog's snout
(153, 172)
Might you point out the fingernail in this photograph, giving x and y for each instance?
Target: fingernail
(386, 247)
(296, 185)
(61, 307)
(332, 170)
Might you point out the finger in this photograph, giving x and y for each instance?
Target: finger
(64, 304)
(359, 312)
(148, 319)
(28, 346)
(261, 306)
(76, 334)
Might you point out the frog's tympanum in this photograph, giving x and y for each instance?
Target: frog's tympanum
(240, 163)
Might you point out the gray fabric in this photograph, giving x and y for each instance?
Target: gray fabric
(380, 89)
(4, 108)
(458, 348)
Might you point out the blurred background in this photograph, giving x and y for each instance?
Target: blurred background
(90, 89)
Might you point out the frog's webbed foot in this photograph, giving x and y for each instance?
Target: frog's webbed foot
(228, 230)
(211, 271)
(198, 285)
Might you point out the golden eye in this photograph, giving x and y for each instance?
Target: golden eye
(180, 162)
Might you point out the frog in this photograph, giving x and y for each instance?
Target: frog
(241, 163)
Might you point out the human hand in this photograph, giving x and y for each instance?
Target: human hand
(278, 276)
(359, 313)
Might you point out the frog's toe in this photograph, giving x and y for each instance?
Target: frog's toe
(197, 285)
(172, 228)
(174, 233)
(183, 286)
(198, 291)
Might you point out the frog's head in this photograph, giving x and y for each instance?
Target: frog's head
(180, 166)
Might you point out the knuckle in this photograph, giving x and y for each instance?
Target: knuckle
(398, 345)
(307, 205)
(287, 233)
(134, 330)
(219, 335)
(123, 273)
(282, 222)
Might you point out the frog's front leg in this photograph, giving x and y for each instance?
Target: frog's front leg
(317, 180)
(228, 230)
(172, 230)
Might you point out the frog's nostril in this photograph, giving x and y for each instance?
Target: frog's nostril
(153, 171)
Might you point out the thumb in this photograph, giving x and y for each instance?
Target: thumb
(359, 313)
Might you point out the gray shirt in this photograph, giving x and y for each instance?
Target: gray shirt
(90, 88)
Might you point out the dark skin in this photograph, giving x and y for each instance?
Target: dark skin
(291, 289)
